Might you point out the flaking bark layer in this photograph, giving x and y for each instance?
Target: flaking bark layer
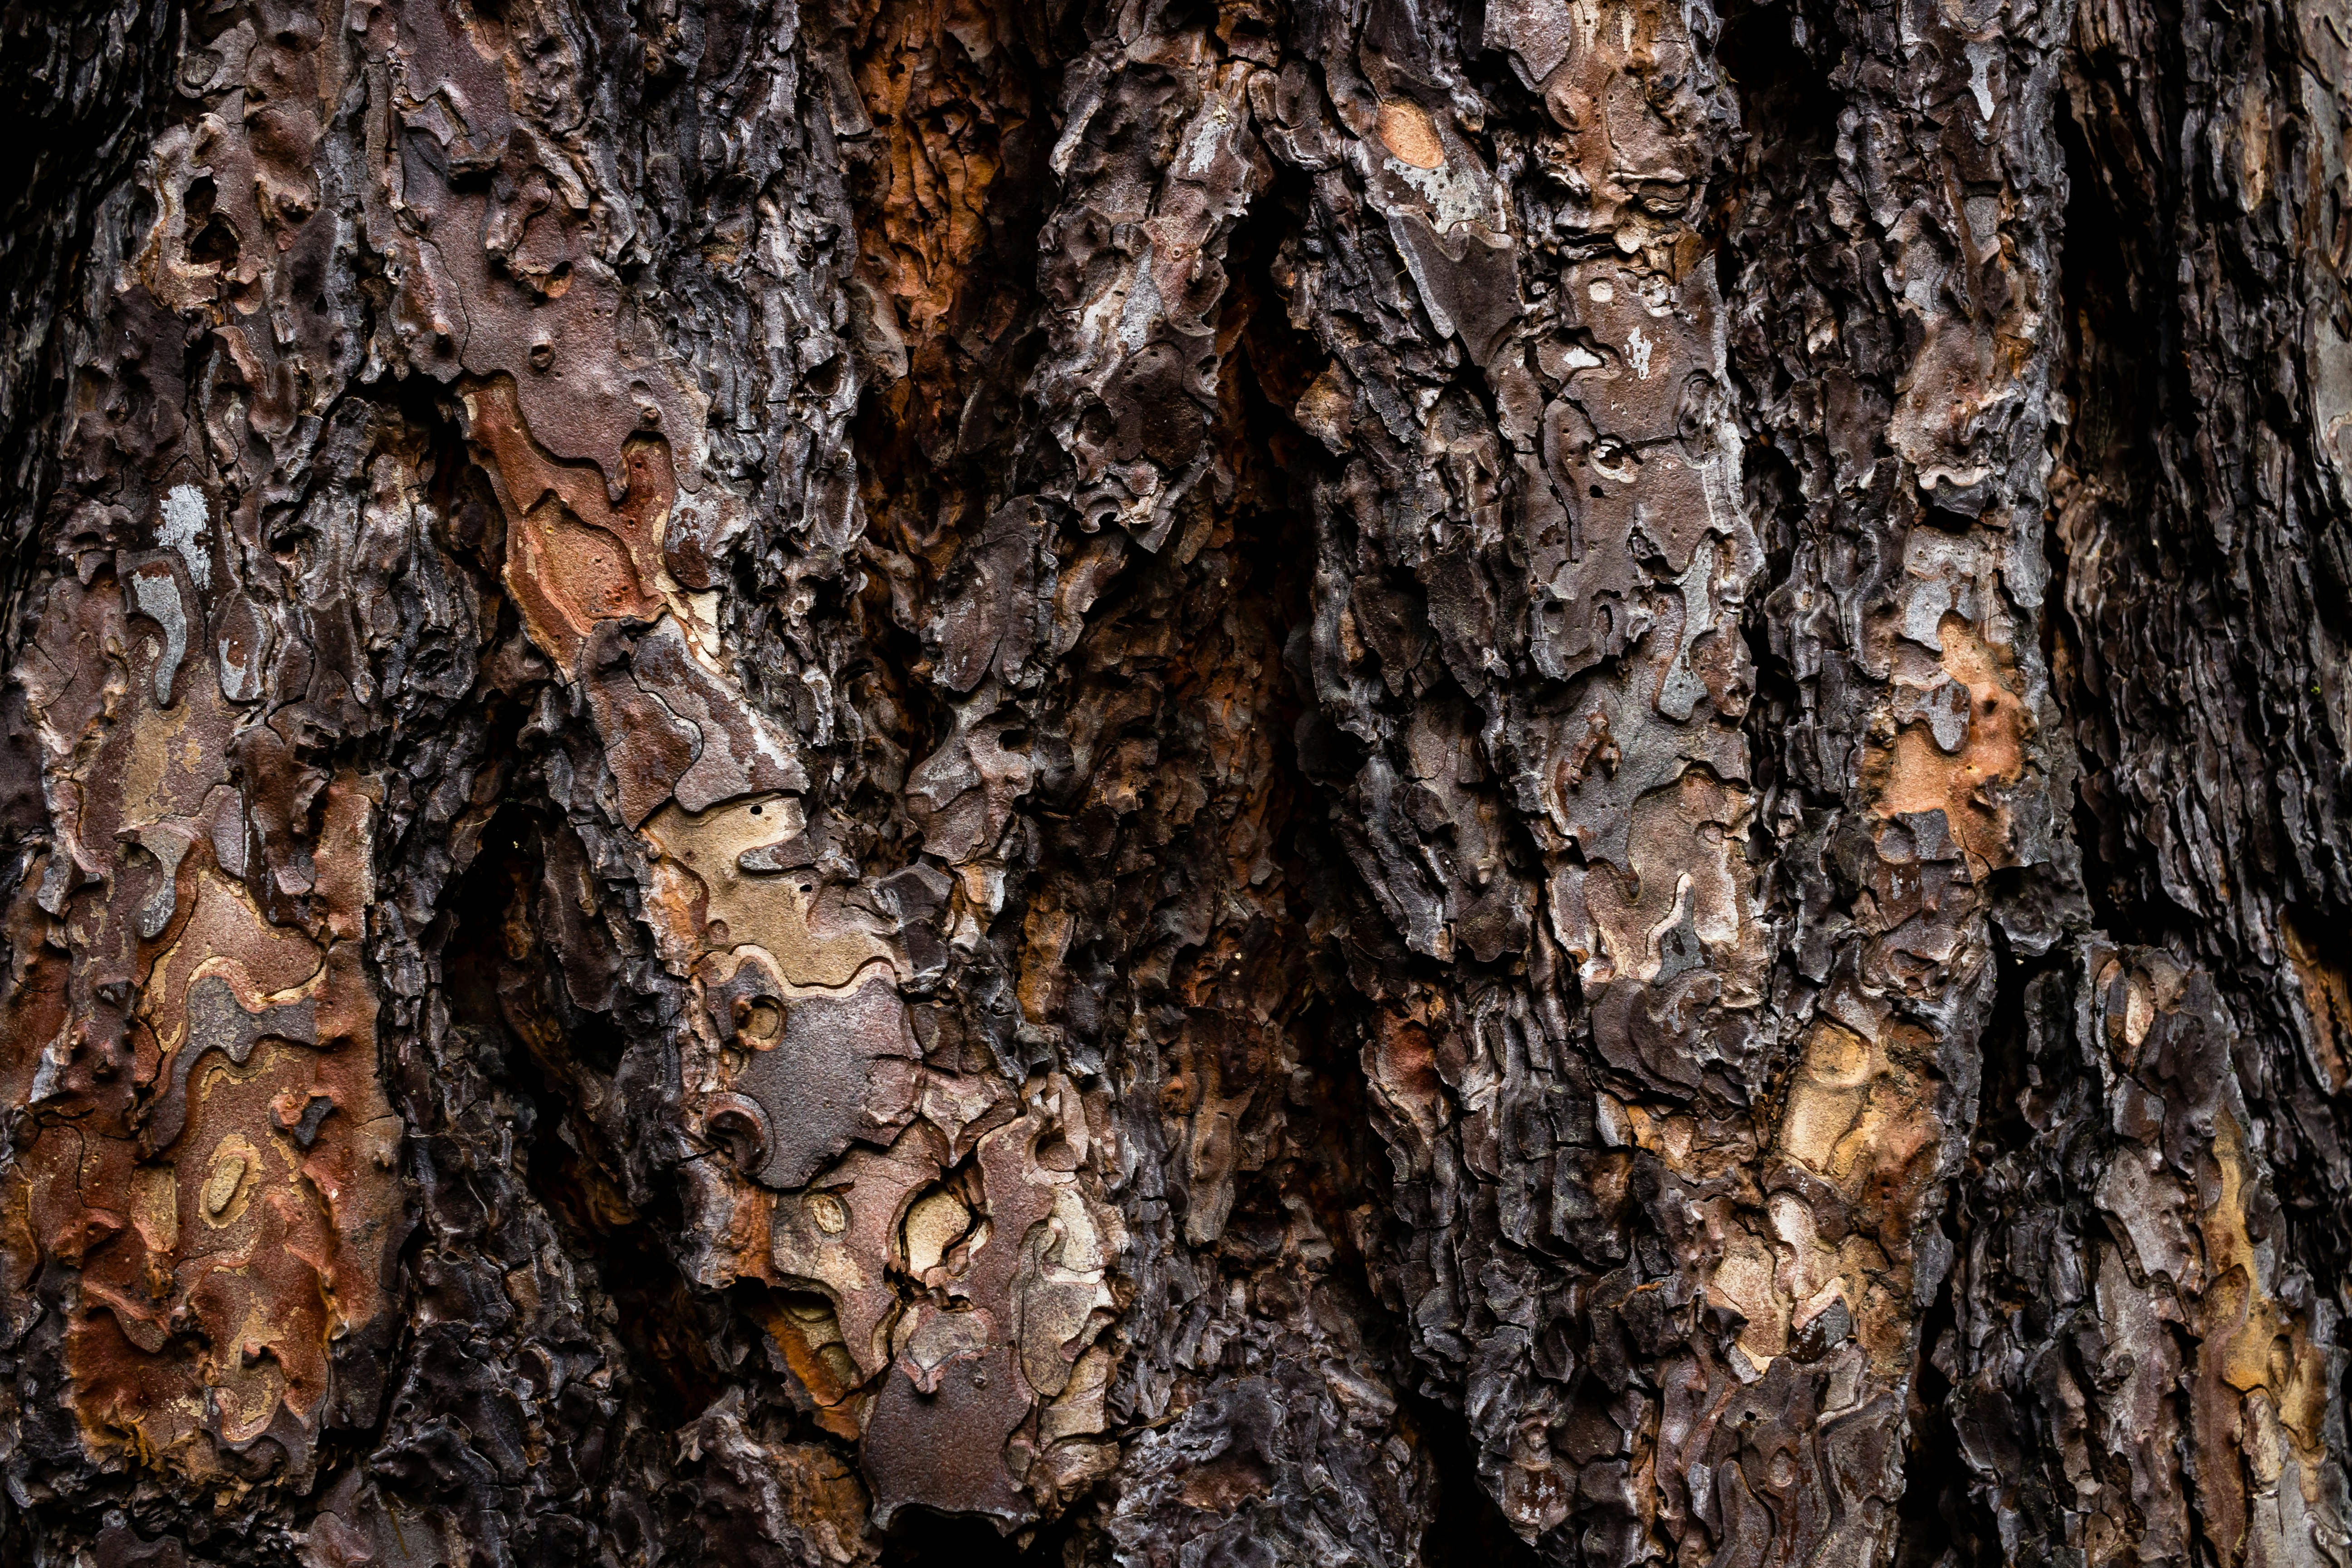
(1558, 780)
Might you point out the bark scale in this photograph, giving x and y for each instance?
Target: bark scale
(1560, 782)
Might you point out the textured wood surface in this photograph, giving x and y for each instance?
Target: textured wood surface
(1214, 787)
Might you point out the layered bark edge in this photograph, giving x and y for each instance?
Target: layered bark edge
(1259, 783)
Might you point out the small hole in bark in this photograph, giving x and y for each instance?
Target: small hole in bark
(737, 1137)
(215, 243)
(920, 1538)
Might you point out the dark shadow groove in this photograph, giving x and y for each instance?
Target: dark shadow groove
(506, 995)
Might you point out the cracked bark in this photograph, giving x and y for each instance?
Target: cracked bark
(1560, 782)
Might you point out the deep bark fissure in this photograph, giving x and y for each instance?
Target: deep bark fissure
(1502, 780)
(489, 987)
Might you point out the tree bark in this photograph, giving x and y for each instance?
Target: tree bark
(962, 780)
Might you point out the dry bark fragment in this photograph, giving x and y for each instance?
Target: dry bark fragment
(1175, 784)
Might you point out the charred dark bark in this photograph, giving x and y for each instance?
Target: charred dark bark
(1560, 781)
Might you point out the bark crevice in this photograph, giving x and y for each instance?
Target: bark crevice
(1550, 781)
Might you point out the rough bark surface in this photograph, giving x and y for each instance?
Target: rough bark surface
(1331, 782)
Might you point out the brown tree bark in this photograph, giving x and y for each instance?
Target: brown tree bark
(1267, 784)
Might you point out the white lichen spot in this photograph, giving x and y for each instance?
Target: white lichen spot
(1205, 140)
(186, 519)
(1637, 350)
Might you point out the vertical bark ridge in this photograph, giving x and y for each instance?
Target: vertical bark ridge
(1176, 783)
(2167, 1205)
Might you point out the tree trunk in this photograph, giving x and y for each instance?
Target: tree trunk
(967, 780)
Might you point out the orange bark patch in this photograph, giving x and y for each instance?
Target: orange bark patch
(936, 112)
(227, 1264)
(1407, 131)
(573, 558)
(809, 1337)
(2251, 1342)
(1916, 775)
(1859, 1116)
